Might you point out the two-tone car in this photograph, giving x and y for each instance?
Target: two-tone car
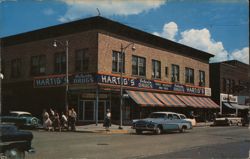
(21, 119)
(159, 122)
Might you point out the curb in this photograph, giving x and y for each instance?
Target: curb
(105, 131)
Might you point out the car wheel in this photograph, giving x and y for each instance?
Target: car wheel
(14, 154)
(183, 128)
(138, 131)
(158, 130)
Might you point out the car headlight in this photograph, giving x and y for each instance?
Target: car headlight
(151, 125)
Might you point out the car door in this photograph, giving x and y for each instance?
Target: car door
(170, 123)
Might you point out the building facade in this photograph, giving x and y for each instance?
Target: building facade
(230, 85)
(157, 74)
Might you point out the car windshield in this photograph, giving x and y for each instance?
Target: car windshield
(157, 115)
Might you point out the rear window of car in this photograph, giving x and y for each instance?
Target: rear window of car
(182, 117)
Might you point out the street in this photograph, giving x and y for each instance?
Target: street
(201, 142)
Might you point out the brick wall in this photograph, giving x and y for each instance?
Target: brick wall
(108, 42)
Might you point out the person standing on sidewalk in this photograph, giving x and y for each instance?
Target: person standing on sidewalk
(74, 115)
(107, 120)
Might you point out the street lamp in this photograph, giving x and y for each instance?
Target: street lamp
(66, 45)
(121, 77)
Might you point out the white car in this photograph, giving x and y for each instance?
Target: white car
(159, 122)
(193, 121)
(22, 119)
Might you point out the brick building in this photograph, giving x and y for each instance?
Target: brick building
(230, 80)
(158, 74)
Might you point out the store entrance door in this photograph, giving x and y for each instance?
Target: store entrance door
(87, 110)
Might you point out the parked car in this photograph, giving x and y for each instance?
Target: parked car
(228, 119)
(193, 121)
(14, 142)
(159, 122)
(22, 119)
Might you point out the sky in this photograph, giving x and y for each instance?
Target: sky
(219, 27)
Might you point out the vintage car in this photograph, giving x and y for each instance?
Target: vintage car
(193, 121)
(22, 119)
(14, 142)
(228, 120)
(159, 122)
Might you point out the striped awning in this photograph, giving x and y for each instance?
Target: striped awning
(198, 102)
(144, 98)
(170, 100)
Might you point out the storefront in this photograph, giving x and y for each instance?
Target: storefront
(95, 93)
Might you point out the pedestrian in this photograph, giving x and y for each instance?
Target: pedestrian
(64, 121)
(57, 123)
(45, 116)
(107, 120)
(73, 118)
(47, 123)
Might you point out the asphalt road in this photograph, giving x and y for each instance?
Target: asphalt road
(202, 142)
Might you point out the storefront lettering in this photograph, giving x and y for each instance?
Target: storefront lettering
(179, 88)
(115, 80)
(145, 83)
(49, 82)
(107, 79)
(81, 79)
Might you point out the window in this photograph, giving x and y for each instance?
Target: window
(175, 117)
(175, 73)
(38, 65)
(16, 68)
(233, 86)
(156, 69)
(228, 86)
(224, 86)
(201, 78)
(82, 61)
(189, 75)
(60, 62)
(166, 71)
(117, 62)
(138, 66)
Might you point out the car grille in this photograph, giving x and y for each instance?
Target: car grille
(141, 125)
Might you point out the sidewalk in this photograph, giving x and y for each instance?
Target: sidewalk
(114, 129)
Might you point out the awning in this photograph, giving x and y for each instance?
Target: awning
(169, 100)
(198, 102)
(144, 98)
(236, 106)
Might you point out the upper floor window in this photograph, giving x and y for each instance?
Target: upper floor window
(166, 71)
(224, 85)
(118, 62)
(189, 75)
(60, 62)
(228, 85)
(82, 60)
(233, 86)
(175, 77)
(138, 66)
(16, 68)
(201, 78)
(38, 65)
(156, 69)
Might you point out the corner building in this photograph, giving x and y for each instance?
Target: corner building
(158, 74)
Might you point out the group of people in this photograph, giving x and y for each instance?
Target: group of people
(52, 120)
